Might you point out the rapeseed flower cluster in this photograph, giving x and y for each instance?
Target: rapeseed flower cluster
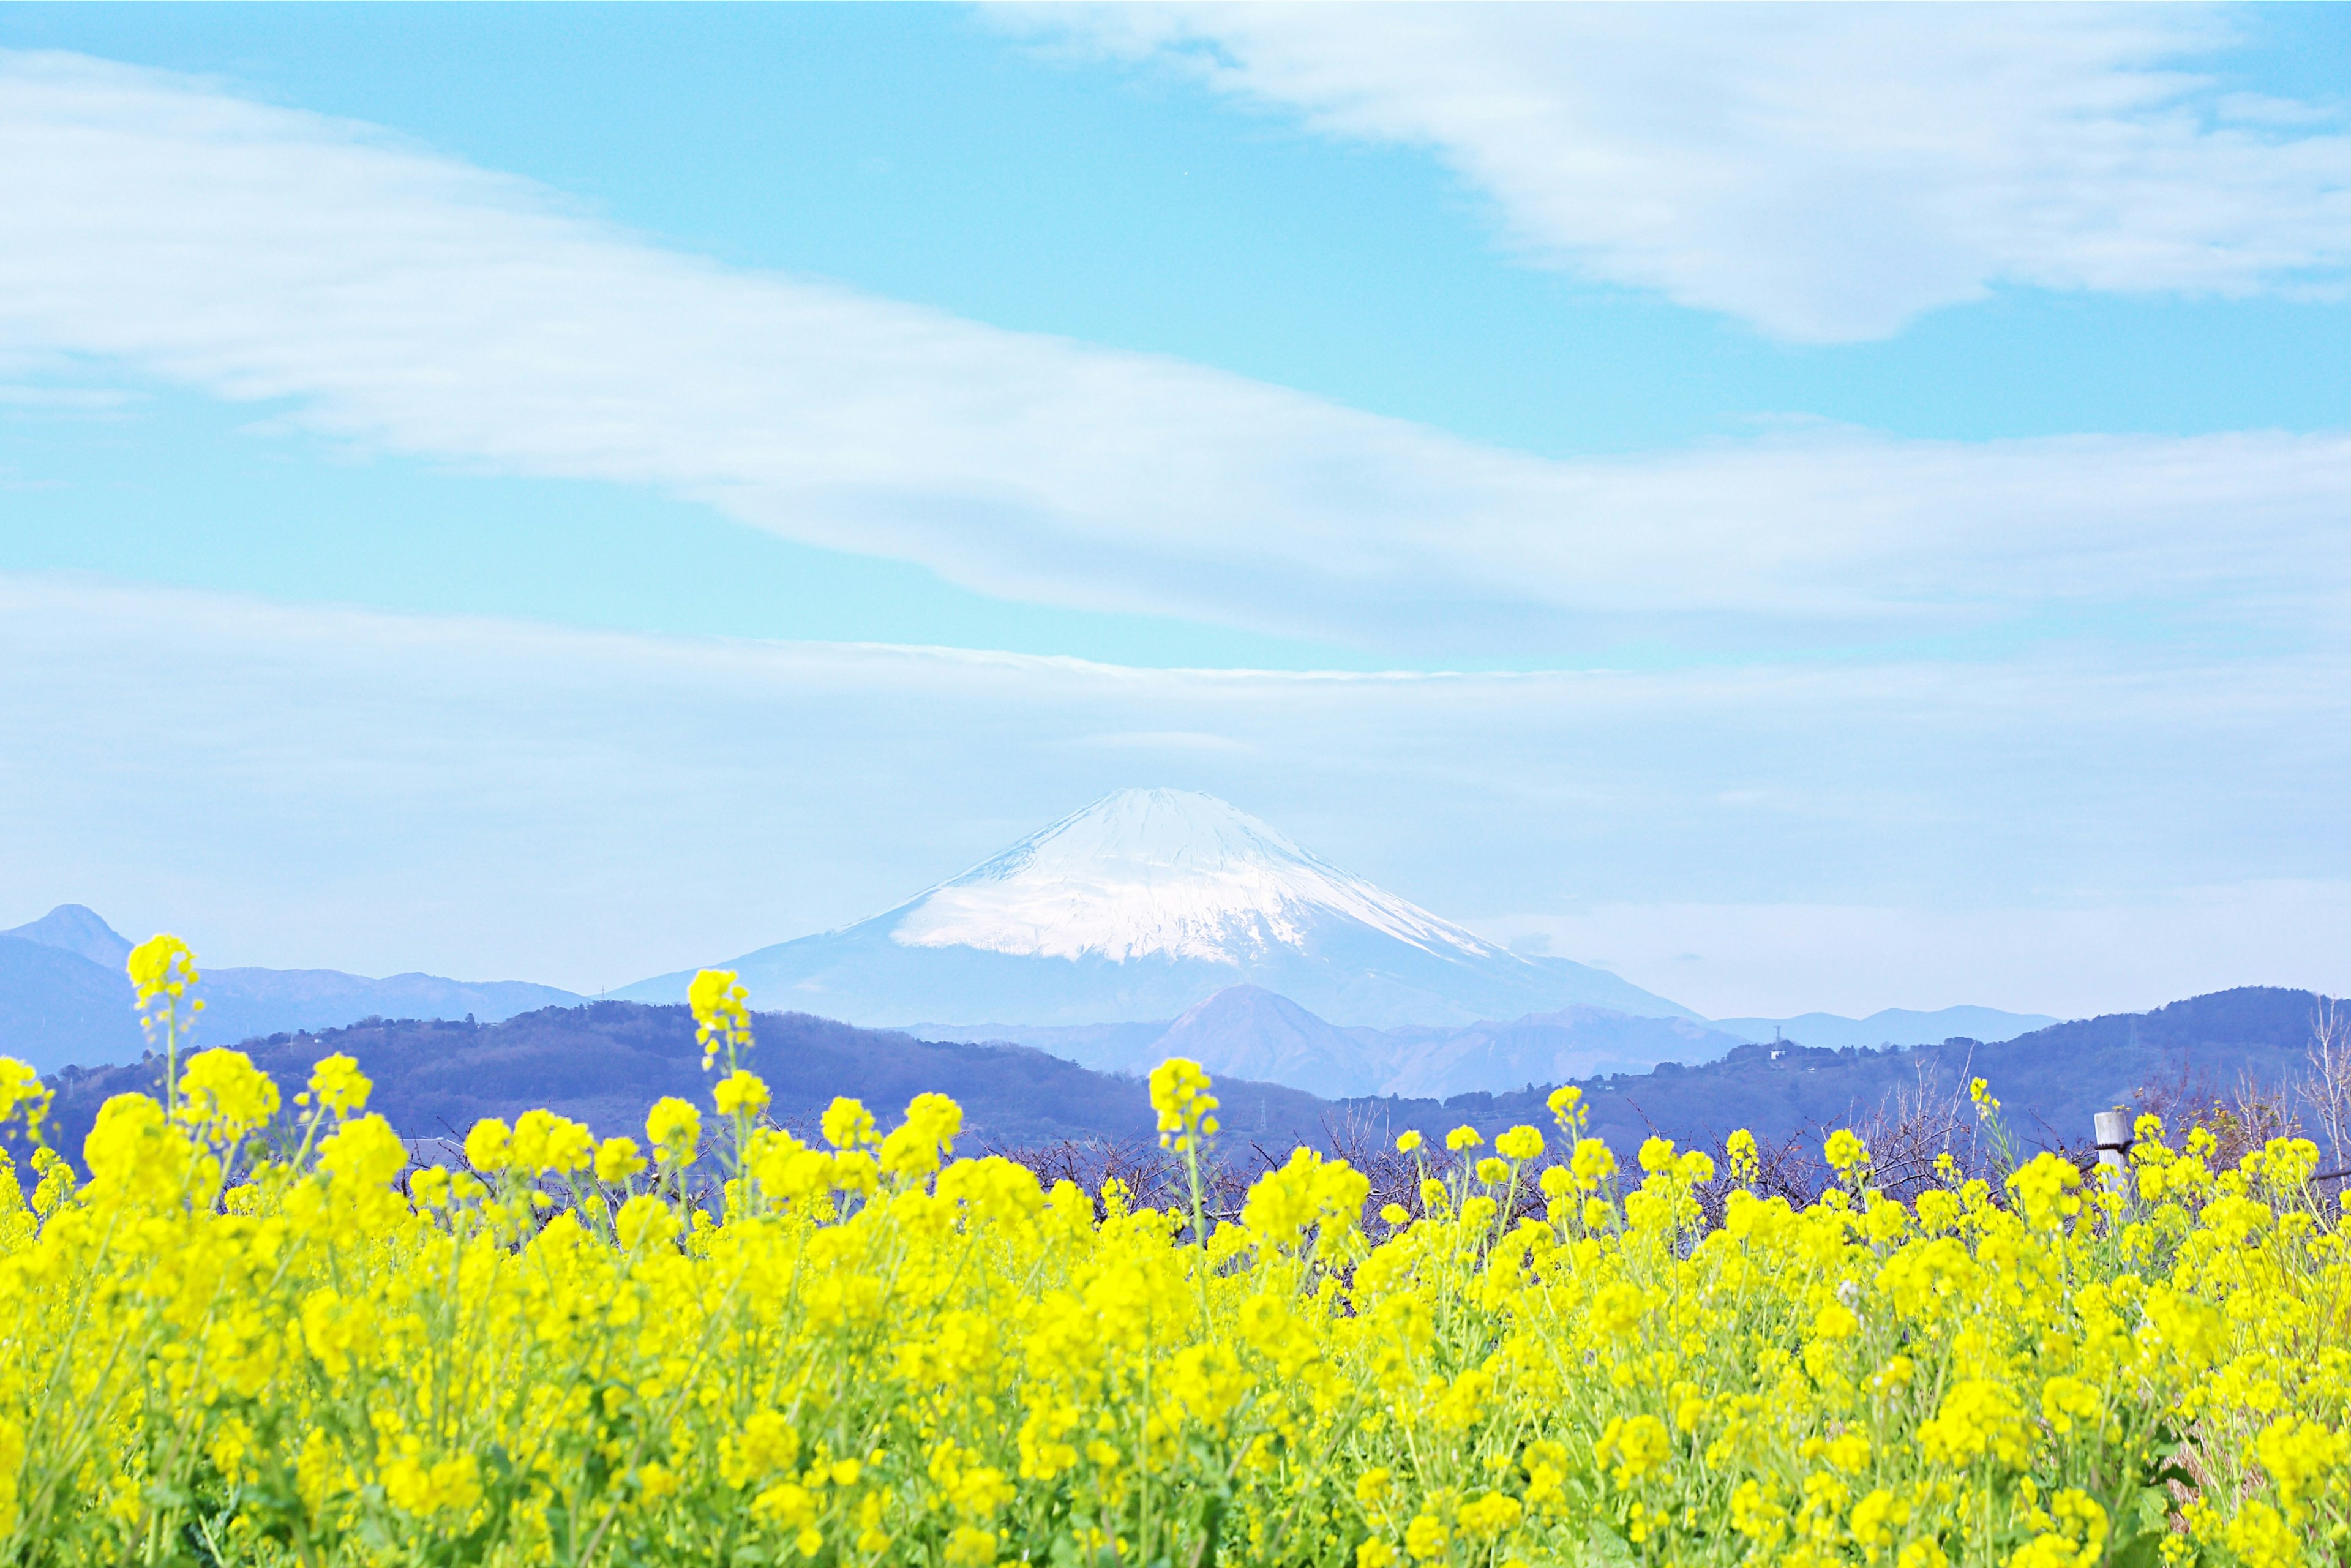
(254, 1335)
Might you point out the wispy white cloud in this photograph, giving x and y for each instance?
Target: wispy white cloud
(354, 285)
(1825, 172)
(309, 785)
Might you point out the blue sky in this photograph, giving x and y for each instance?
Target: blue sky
(1870, 484)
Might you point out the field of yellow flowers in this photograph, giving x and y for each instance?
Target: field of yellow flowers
(253, 1336)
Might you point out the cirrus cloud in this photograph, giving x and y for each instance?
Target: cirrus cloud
(349, 283)
(1827, 172)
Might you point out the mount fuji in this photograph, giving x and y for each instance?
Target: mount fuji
(1143, 905)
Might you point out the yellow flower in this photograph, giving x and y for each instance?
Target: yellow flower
(937, 1117)
(722, 1014)
(2065, 1400)
(450, 1485)
(489, 1148)
(1180, 1094)
(675, 1130)
(740, 1092)
(1876, 1518)
(2299, 1455)
(970, 1547)
(1845, 1151)
(617, 1160)
(2045, 1191)
(1835, 1321)
(875, 1349)
(544, 1144)
(1462, 1138)
(1490, 1515)
(1520, 1143)
(223, 1094)
(1754, 1513)
(767, 1444)
(2261, 1538)
(161, 969)
(646, 1221)
(21, 1085)
(1619, 1309)
(365, 1154)
(1407, 1143)
(847, 1124)
(1637, 1447)
(1746, 1165)
(914, 1148)
(1978, 1417)
(337, 1083)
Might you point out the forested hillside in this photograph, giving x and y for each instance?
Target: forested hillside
(2051, 1081)
(603, 1063)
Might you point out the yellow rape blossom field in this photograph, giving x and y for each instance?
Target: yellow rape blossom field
(253, 1336)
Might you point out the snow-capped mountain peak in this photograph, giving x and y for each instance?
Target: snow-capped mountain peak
(1142, 905)
(1166, 873)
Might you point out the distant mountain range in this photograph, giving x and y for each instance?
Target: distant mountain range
(1893, 1026)
(65, 999)
(605, 1063)
(1248, 1031)
(1260, 1034)
(1143, 905)
(2051, 1081)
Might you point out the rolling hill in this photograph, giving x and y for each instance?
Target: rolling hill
(605, 1063)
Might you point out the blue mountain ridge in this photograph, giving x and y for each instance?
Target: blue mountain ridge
(65, 999)
(1257, 1033)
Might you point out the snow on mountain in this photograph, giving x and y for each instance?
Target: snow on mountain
(1142, 905)
(1161, 872)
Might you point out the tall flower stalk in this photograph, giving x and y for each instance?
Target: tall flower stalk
(162, 970)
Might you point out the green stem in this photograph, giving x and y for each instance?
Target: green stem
(1199, 1226)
